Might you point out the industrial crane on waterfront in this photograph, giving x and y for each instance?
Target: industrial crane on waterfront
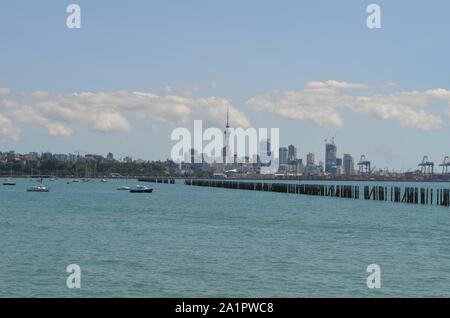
(364, 165)
(427, 166)
(445, 164)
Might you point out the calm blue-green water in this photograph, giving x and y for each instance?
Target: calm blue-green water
(194, 242)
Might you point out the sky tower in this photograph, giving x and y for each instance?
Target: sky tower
(226, 139)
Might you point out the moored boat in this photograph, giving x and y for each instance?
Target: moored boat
(141, 189)
(9, 182)
(38, 188)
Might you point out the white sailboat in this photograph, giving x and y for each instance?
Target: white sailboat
(40, 187)
(125, 187)
(9, 181)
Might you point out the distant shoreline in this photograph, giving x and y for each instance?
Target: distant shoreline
(434, 179)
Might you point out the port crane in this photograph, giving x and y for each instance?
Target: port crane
(364, 165)
(427, 166)
(445, 165)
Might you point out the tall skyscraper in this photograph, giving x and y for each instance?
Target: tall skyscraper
(283, 155)
(330, 157)
(265, 153)
(193, 154)
(292, 153)
(349, 164)
(339, 168)
(269, 145)
(310, 159)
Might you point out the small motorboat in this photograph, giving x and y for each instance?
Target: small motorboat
(38, 188)
(141, 189)
(9, 182)
(103, 180)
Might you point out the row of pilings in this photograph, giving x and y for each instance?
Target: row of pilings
(340, 191)
(158, 180)
(411, 195)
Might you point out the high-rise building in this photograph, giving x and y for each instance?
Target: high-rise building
(268, 147)
(194, 156)
(320, 166)
(283, 155)
(330, 158)
(339, 168)
(265, 153)
(310, 159)
(292, 153)
(349, 164)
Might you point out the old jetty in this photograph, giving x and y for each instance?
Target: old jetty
(158, 180)
(411, 195)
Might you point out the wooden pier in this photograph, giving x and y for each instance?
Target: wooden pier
(158, 180)
(412, 195)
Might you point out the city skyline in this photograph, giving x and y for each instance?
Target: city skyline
(289, 160)
(382, 93)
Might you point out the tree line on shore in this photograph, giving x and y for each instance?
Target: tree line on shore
(90, 169)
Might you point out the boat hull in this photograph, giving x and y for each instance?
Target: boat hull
(141, 190)
(38, 190)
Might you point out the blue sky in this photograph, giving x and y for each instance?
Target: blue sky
(220, 53)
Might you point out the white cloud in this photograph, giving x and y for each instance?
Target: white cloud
(107, 122)
(7, 129)
(321, 103)
(332, 84)
(439, 93)
(185, 90)
(447, 112)
(110, 111)
(39, 94)
(299, 106)
(389, 85)
(4, 91)
(58, 130)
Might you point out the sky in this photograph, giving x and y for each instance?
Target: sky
(136, 70)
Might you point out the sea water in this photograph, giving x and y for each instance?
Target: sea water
(187, 241)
